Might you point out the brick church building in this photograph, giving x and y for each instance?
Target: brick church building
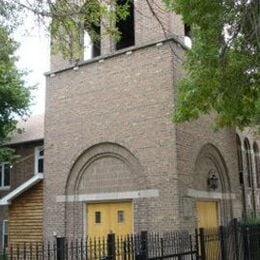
(114, 160)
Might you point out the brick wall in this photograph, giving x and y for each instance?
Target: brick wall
(125, 100)
(24, 166)
(191, 138)
(252, 193)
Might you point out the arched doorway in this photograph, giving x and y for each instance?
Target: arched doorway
(99, 189)
(211, 181)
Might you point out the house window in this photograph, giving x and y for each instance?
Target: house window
(5, 233)
(39, 160)
(4, 175)
(126, 27)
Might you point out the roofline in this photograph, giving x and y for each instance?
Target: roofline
(25, 142)
(170, 38)
(7, 200)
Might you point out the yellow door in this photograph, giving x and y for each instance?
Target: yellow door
(207, 212)
(112, 217)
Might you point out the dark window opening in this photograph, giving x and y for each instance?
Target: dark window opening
(126, 26)
(248, 163)
(96, 51)
(39, 160)
(40, 166)
(4, 175)
(240, 160)
(5, 233)
(97, 217)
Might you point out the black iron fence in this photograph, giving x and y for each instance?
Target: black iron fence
(234, 242)
(173, 245)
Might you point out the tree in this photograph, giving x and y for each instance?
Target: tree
(223, 65)
(68, 19)
(14, 96)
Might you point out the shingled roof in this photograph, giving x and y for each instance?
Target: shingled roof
(33, 130)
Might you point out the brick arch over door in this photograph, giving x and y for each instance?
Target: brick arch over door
(210, 158)
(100, 169)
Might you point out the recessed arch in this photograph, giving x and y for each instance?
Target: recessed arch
(97, 152)
(210, 158)
(104, 168)
(211, 153)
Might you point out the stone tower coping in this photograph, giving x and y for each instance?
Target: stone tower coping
(101, 58)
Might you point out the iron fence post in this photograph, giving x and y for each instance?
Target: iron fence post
(235, 228)
(197, 244)
(111, 246)
(4, 252)
(222, 243)
(144, 245)
(202, 244)
(247, 243)
(60, 248)
(162, 247)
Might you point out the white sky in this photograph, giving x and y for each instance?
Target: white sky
(34, 57)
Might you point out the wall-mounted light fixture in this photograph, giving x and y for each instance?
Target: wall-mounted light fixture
(212, 180)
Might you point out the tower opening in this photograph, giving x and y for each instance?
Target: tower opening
(126, 26)
(92, 42)
(92, 30)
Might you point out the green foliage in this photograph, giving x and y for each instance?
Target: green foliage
(14, 97)
(223, 65)
(69, 20)
(251, 220)
(3, 257)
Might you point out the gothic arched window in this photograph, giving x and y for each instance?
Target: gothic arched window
(248, 162)
(240, 160)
